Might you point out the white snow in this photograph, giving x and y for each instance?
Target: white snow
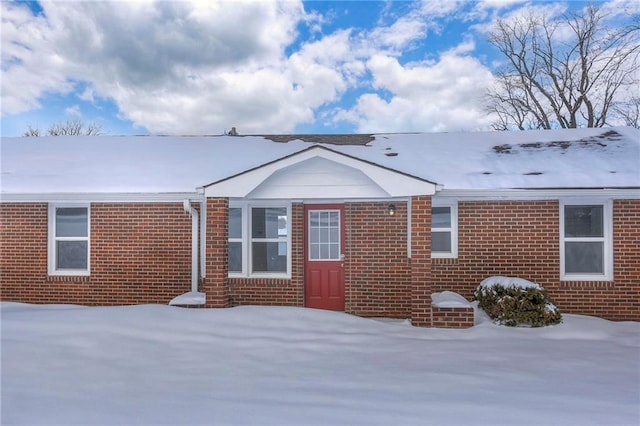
(507, 282)
(155, 365)
(577, 158)
(449, 299)
(190, 298)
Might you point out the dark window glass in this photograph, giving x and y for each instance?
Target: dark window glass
(71, 222)
(583, 221)
(235, 223)
(71, 254)
(268, 222)
(441, 217)
(584, 258)
(235, 257)
(441, 242)
(269, 256)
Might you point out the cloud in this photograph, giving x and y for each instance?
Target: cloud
(73, 110)
(169, 66)
(202, 67)
(30, 65)
(429, 96)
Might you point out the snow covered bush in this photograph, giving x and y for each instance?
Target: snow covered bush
(516, 302)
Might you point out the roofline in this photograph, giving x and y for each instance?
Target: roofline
(119, 197)
(316, 146)
(631, 193)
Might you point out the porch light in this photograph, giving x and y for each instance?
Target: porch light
(391, 210)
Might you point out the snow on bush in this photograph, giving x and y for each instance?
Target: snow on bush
(516, 302)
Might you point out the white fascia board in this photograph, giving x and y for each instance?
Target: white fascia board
(394, 183)
(539, 194)
(102, 197)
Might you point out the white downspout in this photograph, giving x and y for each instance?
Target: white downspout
(194, 243)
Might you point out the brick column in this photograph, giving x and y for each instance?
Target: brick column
(421, 261)
(215, 285)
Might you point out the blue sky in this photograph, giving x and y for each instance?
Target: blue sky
(145, 67)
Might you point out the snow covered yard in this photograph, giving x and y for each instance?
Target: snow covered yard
(153, 364)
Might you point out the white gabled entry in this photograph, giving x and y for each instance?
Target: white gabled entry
(320, 173)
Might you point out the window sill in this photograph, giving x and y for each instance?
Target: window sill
(587, 284)
(586, 278)
(68, 278)
(261, 276)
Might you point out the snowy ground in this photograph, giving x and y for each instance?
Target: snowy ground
(157, 365)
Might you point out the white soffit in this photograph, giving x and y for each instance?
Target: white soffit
(319, 172)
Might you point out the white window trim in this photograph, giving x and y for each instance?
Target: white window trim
(51, 255)
(453, 205)
(607, 239)
(246, 240)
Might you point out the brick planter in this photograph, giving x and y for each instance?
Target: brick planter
(458, 317)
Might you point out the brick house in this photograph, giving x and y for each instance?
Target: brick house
(367, 224)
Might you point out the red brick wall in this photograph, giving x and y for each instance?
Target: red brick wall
(215, 284)
(140, 253)
(23, 251)
(421, 282)
(522, 238)
(377, 271)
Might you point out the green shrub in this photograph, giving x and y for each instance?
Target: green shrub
(516, 302)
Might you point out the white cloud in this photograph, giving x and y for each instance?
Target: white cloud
(202, 67)
(429, 96)
(30, 66)
(73, 110)
(167, 65)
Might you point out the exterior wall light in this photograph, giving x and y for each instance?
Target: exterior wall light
(391, 210)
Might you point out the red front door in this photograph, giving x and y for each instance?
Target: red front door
(324, 272)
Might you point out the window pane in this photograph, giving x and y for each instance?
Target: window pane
(324, 218)
(334, 218)
(268, 222)
(71, 222)
(267, 257)
(441, 217)
(235, 257)
(71, 255)
(314, 251)
(584, 258)
(324, 251)
(333, 251)
(235, 223)
(583, 221)
(333, 235)
(314, 219)
(441, 242)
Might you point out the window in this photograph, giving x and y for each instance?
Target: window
(444, 231)
(235, 240)
(586, 252)
(69, 240)
(324, 235)
(259, 241)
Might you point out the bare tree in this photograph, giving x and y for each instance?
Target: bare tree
(562, 73)
(31, 132)
(67, 128)
(629, 112)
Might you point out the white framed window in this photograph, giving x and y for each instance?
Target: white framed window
(444, 230)
(259, 239)
(586, 248)
(69, 239)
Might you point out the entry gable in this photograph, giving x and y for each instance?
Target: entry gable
(321, 173)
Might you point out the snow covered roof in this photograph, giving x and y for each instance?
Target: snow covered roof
(576, 158)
